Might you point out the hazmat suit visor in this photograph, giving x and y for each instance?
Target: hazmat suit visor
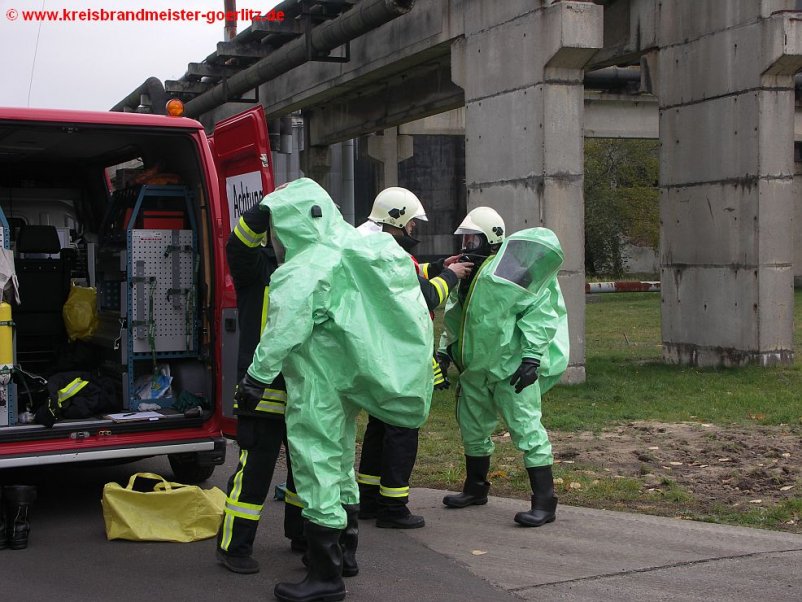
(529, 264)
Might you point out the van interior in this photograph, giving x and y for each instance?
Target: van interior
(109, 240)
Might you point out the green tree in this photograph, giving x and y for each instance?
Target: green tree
(621, 201)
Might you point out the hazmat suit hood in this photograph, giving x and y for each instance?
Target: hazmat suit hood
(530, 260)
(301, 217)
(513, 309)
(346, 316)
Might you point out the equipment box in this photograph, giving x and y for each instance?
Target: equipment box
(163, 220)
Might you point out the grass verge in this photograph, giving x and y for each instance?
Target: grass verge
(628, 384)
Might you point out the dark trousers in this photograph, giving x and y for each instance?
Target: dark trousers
(388, 456)
(260, 441)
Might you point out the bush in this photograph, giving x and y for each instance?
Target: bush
(621, 201)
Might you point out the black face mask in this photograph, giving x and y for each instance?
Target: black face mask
(406, 242)
(477, 256)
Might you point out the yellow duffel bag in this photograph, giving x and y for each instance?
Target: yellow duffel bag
(169, 512)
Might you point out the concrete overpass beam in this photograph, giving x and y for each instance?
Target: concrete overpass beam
(726, 97)
(620, 116)
(522, 72)
(426, 89)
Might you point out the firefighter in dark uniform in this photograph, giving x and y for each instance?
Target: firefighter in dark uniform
(260, 430)
(389, 452)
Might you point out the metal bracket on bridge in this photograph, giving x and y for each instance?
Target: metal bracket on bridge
(316, 11)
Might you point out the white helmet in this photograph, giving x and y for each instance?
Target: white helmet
(395, 206)
(483, 220)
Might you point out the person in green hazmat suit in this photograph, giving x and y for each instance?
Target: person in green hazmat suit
(508, 336)
(350, 331)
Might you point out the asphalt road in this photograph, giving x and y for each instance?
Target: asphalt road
(476, 554)
(69, 557)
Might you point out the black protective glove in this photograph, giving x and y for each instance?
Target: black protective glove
(248, 393)
(526, 374)
(443, 361)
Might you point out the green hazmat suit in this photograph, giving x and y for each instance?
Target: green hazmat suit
(514, 309)
(348, 328)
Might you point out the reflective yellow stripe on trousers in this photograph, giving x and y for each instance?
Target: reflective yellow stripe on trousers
(393, 491)
(368, 479)
(290, 497)
(228, 516)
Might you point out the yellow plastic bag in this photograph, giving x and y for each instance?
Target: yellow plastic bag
(171, 512)
(80, 312)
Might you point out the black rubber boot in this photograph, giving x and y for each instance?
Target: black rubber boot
(349, 540)
(18, 500)
(3, 533)
(244, 565)
(476, 487)
(324, 580)
(298, 546)
(544, 502)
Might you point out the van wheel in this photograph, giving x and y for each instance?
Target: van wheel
(187, 469)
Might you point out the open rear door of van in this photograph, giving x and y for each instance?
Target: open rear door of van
(241, 147)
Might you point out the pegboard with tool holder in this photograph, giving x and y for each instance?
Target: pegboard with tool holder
(161, 289)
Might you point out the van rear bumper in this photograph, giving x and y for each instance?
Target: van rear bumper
(210, 451)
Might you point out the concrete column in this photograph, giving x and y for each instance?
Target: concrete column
(315, 160)
(726, 93)
(390, 148)
(521, 67)
(797, 194)
(316, 164)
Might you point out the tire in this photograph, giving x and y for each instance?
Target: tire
(186, 468)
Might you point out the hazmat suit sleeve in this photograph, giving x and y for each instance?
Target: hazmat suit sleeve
(538, 326)
(544, 330)
(451, 323)
(291, 316)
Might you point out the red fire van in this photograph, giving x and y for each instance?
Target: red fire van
(128, 214)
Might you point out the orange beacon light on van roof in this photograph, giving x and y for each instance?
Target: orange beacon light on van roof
(175, 108)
